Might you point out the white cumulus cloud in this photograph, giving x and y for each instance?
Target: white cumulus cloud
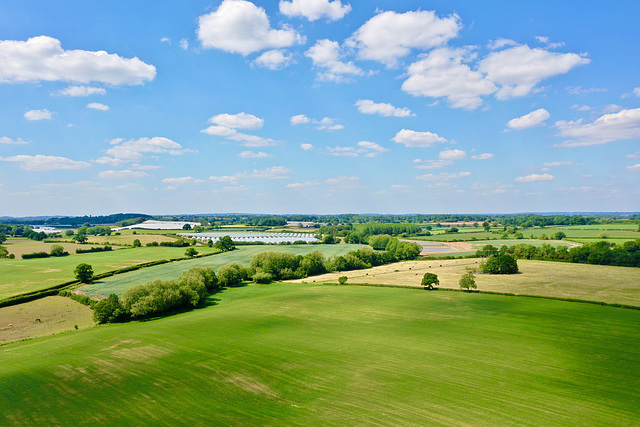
(534, 118)
(42, 58)
(237, 121)
(367, 106)
(184, 180)
(453, 154)
(445, 73)
(315, 9)
(363, 148)
(274, 59)
(306, 147)
(239, 26)
(97, 106)
(9, 141)
(233, 135)
(535, 178)
(38, 115)
(41, 163)
(519, 69)
(483, 156)
(389, 36)
(607, 128)
(411, 138)
(133, 150)
(82, 91)
(299, 119)
(254, 155)
(328, 55)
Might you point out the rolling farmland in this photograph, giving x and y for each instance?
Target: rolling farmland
(307, 354)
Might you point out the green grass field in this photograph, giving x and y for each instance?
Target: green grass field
(19, 276)
(243, 254)
(292, 354)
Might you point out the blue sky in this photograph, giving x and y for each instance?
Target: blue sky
(318, 106)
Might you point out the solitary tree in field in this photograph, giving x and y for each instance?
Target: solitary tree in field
(84, 273)
(57, 250)
(80, 238)
(468, 281)
(137, 243)
(430, 280)
(343, 280)
(191, 252)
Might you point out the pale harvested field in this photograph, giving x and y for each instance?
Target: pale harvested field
(608, 284)
(127, 239)
(24, 246)
(56, 314)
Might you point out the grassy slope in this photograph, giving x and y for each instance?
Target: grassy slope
(56, 314)
(603, 283)
(243, 254)
(295, 354)
(20, 276)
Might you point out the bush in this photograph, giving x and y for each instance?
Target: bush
(94, 249)
(109, 310)
(262, 277)
(36, 255)
(136, 243)
(231, 274)
(342, 280)
(501, 264)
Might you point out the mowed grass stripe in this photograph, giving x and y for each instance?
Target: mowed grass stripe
(292, 354)
(242, 255)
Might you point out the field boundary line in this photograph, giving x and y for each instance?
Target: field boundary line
(53, 290)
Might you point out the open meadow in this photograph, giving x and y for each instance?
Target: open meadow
(26, 275)
(610, 284)
(42, 317)
(242, 254)
(296, 354)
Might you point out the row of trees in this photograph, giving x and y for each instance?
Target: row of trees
(158, 296)
(602, 253)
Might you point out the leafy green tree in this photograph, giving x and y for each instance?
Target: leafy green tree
(230, 274)
(3, 252)
(186, 227)
(137, 243)
(225, 244)
(559, 235)
(342, 280)
(84, 273)
(80, 238)
(501, 264)
(57, 250)
(329, 239)
(68, 233)
(109, 310)
(379, 242)
(468, 280)
(3, 238)
(430, 281)
(191, 252)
